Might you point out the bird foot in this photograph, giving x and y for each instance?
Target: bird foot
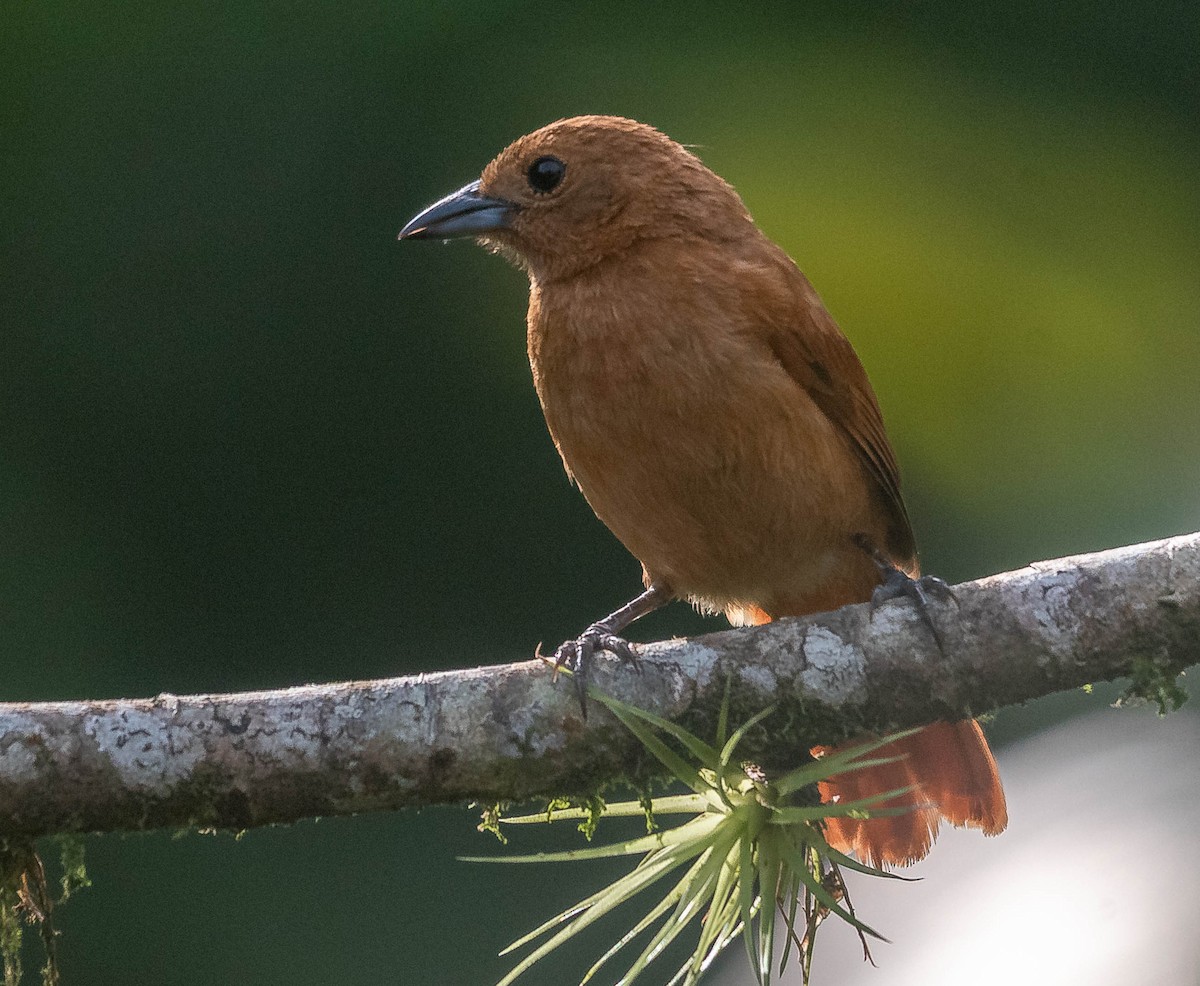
(897, 585)
(576, 656)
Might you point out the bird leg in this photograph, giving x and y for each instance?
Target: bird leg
(576, 655)
(898, 584)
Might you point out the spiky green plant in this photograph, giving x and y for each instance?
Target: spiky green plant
(746, 857)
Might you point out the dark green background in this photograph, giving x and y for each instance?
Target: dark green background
(248, 440)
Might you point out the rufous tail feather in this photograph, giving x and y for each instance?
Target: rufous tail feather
(951, 775)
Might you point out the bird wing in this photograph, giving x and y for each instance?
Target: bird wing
(815, 353)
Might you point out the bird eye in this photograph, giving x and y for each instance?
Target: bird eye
(545, 173)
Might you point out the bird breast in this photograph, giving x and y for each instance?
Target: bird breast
(687, 436)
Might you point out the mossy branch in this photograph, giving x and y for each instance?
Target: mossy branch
(509, 732)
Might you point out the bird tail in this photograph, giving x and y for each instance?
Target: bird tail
(950, 775)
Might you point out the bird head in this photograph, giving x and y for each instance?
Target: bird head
(576, 192)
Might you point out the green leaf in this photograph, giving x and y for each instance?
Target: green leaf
(725, 891)
(698, 889)
(653, 915)
(769, 873)
(706, 754)
(839, 809)
(799, 867)
(731, 744)
(723, 715)
(669, 758)
(825, 768)
(697, 828)
(853, 864)
(839, 763)
(600, 904)
(793, 903)
(728, 925)
(746, 902)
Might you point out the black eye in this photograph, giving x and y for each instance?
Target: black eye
(545, 173)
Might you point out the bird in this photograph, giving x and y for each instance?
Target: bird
(717, 421)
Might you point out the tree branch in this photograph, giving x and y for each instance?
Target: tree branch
(510, 732)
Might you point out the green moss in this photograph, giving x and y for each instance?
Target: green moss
(1156, 681)
(594, 806)
(25, 900)
(11, 934)
(646, 800)
(74, 873)
(489, 821)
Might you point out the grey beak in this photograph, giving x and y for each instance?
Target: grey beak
(463, 213)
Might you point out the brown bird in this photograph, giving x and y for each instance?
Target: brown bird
(715, 418)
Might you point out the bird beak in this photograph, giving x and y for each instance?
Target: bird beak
(464, 213)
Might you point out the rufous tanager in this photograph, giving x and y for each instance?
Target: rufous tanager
(715, 418)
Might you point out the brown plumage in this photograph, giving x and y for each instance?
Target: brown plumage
(712, 413)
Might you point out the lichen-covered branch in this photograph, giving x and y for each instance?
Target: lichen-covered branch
(511, 732)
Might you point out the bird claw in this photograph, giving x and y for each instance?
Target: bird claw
(897, 585)
(576, 656)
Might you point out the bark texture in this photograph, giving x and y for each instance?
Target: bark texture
(510, 732)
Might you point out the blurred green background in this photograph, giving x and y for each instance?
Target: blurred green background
(248, 440)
